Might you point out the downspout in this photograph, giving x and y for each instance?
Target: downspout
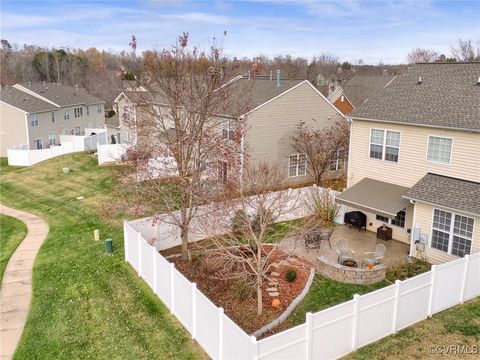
(242, 151)
(350, 120)
(27, 128)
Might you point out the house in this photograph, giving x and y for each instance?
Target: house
(273, 110)
(38, 113)
(357, 90)
(414, 160)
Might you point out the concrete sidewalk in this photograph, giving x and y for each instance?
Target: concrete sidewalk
(16, 289)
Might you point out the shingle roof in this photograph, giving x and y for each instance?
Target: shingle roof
(24, 101)
(446, 191)
(63, 95)
(448, 96)
(362, 87)
(113, 121)
(379, 197)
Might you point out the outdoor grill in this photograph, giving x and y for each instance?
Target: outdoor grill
(356, 218)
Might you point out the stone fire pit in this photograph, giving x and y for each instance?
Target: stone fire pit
(350, 263)
(349, 272)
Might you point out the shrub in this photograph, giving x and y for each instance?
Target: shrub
(290, 275)
(241, 289)
(322, 204)
(406, 270)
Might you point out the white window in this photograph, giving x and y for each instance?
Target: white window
(439, 149)
(452, 233)
(64, 131)
(99, 108)
(51, 138)
(66, 114)
(53, 116)
(399, 219)
(34, 120)
(88, 111)
(222, 170)
(77, 130)
(38, 143)
(339, 162)
(228, 131)
(384, 145)
(78, 112)
(297, 165)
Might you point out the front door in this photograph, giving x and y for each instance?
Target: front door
(38, 143)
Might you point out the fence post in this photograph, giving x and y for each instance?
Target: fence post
(220, 333)
(194, 311)
(155, 266)
(395, 305)
(356, 299)
(254, 341)
(125, 240)
(139, 249)
(309, 330)
(172, 289)
(430, 302)
(464, 278)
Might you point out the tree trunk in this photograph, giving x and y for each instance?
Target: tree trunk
(259, 297)
(184, 234)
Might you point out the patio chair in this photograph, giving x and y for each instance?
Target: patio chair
(375, 257)
(343, 250)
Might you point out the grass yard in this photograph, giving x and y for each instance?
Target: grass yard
(459, 326)
(86, 304)
(12, 232)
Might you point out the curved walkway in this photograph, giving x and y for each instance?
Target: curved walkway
(16, 289)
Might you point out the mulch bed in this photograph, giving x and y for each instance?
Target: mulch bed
(244, 312)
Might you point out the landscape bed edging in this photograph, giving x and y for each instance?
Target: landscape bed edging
(290, 307)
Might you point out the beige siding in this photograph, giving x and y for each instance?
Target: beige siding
(270, 127)
(412, 164)
(59, 126)
(13, 128)
(424, 219)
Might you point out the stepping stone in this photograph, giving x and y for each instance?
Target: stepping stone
(273, 294)
(273, 283)
(274, 273)
(272, 289)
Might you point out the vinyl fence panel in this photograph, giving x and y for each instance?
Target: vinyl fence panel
(182, 299)
(375, 315)
(146, 257)
(413, 300)
(132, 247)
(332, 331)
(207, 333)
(289, 344)
(472, 278)
(163, 276)
(448, 285)
(237, 344)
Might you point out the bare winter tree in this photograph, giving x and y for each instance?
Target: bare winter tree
(419, 55)
(321, 146)
(240, 229)
(466, 50)
(179, 125)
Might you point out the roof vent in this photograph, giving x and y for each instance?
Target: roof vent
(419, 81)
(478, 81)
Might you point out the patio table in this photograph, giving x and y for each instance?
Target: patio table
(314, 237)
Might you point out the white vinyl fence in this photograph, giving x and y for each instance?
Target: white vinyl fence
(23, 156)
(328, 334)
(108, 153)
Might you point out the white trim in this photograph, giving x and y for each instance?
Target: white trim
(451, 150)
(384, 146)
(298, 165)
(390, 82)
(118, 97)
(458, 211)
(417, 124)
(324, 98)
(33, 93)
(27, 127)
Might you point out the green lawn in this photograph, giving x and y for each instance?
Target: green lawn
(459, 326)
(12, 232)
(86, 304)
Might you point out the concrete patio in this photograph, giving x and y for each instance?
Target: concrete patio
(359, 241)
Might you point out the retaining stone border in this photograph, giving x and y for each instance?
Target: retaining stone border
(350, 275)
(289, 309)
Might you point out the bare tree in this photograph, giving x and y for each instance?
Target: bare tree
(321, 146)
(419, 55)
(466, 50)
(240, 229)
(179, 125)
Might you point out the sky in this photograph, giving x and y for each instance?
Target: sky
(372, 30)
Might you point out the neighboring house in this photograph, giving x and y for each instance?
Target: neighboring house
(37, 114)
(414, 161)
(275, 108)
(357, 90)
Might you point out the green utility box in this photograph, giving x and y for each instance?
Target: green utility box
(108, 246)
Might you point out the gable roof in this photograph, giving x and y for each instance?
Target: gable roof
(449, 192)
(362, 87)
(62, 95)
(447, 97)
(23, 101)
